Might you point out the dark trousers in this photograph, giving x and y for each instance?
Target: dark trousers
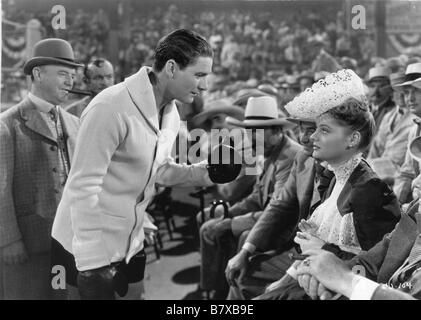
(261, 271)
(133, 271)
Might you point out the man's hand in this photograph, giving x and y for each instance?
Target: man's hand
(308, 227)
(15, 253)
(308, 241)
(149, 236)
(329, 270)
(314, 288)
(235, 265)
(149, 229)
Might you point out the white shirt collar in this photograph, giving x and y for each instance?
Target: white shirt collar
(41, 104)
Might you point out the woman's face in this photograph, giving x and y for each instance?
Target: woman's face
(331, 140)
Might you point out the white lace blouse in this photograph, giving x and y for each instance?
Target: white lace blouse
(332, 227)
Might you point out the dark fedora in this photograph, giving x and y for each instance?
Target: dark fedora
(51, 51)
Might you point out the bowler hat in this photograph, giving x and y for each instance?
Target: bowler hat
(51, 51)
(412, 72)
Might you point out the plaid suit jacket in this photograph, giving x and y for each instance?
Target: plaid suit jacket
(30, 187)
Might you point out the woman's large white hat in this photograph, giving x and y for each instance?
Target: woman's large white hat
(326, 94)
(261, 112)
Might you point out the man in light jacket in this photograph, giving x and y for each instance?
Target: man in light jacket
(122, 150)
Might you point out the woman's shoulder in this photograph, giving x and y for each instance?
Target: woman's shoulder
(364, 175)
(367, 187)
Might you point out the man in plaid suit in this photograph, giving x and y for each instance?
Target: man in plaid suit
(36, 144)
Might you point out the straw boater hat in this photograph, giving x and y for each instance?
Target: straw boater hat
(326, 94)
(261, 112)
(396, 79)
(413, 72)
(51, 51)
(220, 106)
(416, 83)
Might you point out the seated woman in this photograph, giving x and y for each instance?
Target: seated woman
(359, 208)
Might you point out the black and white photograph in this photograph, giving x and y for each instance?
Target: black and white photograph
(227, 151)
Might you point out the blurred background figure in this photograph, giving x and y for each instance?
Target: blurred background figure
(97, 76)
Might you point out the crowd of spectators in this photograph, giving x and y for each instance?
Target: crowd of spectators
(248, 44)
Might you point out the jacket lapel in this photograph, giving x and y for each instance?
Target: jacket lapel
(279, 154)
(34, 121)
(141, 92)
(267, 182)
(168, 133)
(305, 184)
(344, 204)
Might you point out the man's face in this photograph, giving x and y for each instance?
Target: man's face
(189, 82)
(379, 90)
(399, 98)
(53, 81)
(270, 138)
(306, 130)
(413, 99)
(100, 78)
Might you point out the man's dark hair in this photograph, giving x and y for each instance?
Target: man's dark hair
(184, 46)
(99, 62)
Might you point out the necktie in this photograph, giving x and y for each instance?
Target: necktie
(60, 140)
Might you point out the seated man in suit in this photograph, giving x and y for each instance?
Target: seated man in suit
(218, 236)
(387, 152)
(410, 168)
(392, 267)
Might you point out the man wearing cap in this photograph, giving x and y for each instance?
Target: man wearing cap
(249, 272)
(37, 141)
(380, 93)
(387, 152)
(218, 236)
(410, 168)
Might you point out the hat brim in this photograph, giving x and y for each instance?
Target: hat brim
(42, 61)
(377, 78)
(260, 123)
(233, 111)
(242, 100)
(417, 83)
(397, 87)
(404, 84)
(298, 121)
